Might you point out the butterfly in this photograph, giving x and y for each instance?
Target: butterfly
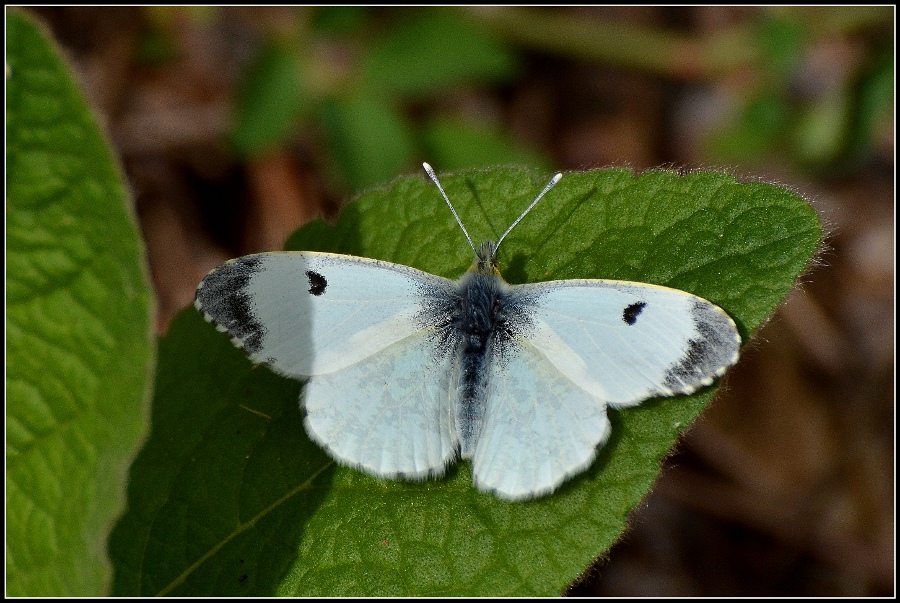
(407, 370)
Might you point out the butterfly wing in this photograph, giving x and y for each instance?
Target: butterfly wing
(624, 342)
(364, 332)
(581, 345)
(389, 414)
(306, 313)
(539, 426)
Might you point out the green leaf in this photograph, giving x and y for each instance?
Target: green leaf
(223, 443)
(434, 51)
(271, 101)
(230, 497)
(78, 337)
(369, 140)
(456, 145)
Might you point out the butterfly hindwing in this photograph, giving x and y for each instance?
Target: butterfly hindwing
(539, 426)
(389, 414)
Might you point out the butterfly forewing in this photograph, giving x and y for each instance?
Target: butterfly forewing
(625, 342)
(306, 313)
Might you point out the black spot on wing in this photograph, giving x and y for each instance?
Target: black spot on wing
(317, 282)
(630, 314)
(224, 297)
(712, 349)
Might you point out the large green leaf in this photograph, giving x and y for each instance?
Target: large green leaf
(78, 340)
(230, 497)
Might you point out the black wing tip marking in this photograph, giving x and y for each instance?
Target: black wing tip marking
(712, 352)
(222, 297)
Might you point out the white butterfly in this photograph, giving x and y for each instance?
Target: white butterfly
(406, 368)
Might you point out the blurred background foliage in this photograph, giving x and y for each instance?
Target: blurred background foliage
(375, 85)
(236, 125)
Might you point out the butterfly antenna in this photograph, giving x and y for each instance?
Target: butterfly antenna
(547, 188)
(431, 174)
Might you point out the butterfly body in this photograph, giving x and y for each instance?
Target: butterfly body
(487, 318)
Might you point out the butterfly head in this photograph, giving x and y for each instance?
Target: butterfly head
(486, 259)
